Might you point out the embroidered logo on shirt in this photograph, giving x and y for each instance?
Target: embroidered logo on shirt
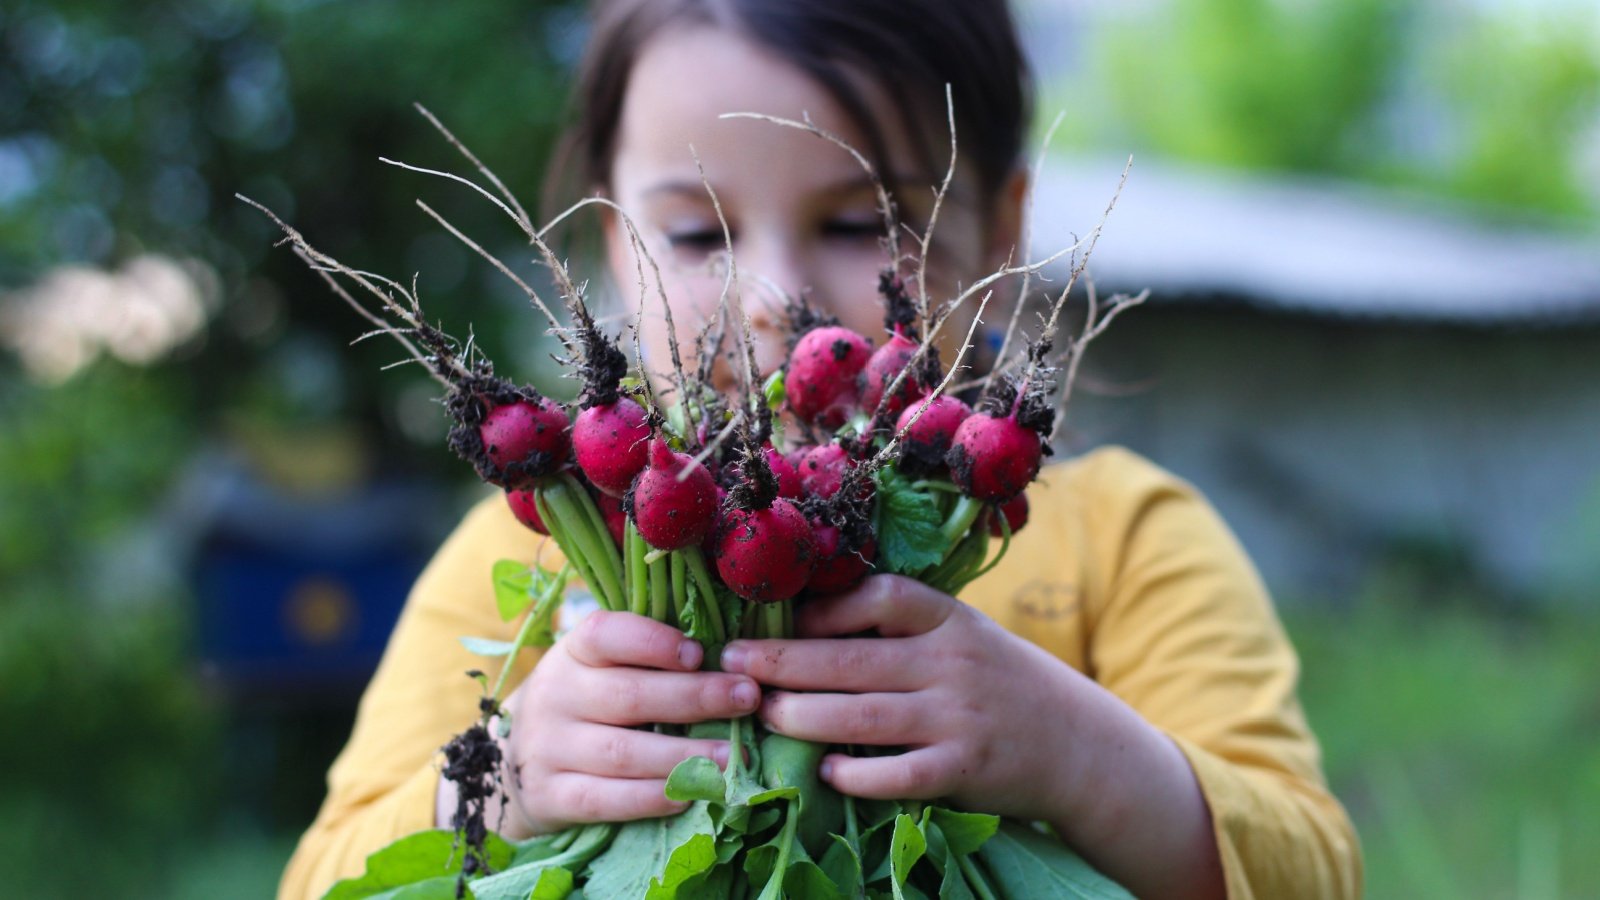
(1041, 599)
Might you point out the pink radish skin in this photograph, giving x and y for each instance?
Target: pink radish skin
(1015, 512)
(525, 436)
(837, 571)
(880, 372)
(610, 443)
(820, 383)
(789, 484)
(928, 439)
(522, 506)
(993, 459)
(822, 470)
(766, 555)
(672, 514)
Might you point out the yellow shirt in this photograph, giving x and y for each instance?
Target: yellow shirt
(1123, 572)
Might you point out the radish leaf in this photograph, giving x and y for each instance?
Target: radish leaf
(909, 526)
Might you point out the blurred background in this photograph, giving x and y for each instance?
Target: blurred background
(1372, 232)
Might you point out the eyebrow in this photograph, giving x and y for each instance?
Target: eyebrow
(695, 188)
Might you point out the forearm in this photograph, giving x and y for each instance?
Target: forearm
(1130, 803)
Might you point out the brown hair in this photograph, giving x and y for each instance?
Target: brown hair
(910, 48)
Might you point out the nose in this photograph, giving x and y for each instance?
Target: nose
(773, 269)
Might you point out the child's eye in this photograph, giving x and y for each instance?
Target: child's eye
(700, 240)
(852, 229)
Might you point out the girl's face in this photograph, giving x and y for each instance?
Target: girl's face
(801, 212)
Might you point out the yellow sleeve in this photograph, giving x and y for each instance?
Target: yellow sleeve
(1181, 628)
(383, 784)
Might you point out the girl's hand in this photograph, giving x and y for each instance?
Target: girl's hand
(977, 706)
(572, 756)
(992, 722)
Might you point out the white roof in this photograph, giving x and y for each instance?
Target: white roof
(1313, 246)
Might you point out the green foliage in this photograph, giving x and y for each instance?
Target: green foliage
(1492, 106)
(1462, 737)
(133, 126)
(908, 526)
(1256, 83)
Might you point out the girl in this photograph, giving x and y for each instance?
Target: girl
(1121, 675)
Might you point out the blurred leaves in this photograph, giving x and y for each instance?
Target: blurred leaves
(127, 128)
(1492, 103)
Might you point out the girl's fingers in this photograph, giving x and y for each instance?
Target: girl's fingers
(894, 605)
(845, 664)
(623, 753)
(877, 719)
(627, 696)
(579, 798)
(623, 639)
(920, 774)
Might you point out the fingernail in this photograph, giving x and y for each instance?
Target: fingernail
(826, 770)
(719, 755)
(689, 654)
(734, 657)
(745, 695)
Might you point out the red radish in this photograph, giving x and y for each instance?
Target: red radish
(880, 372)
(610, 441)
(1015, 512)
(525, 440)
(993, 458)
(928, 439)
(523, 507)
(766, 555)
(671, 514)
(838, 569)
(820, 383)
(822, 470)
(616, 517)
(789, 483)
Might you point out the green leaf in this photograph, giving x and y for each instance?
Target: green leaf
(693, 857)
(416, 858)
(487, 646)
(806, 879)
(513, 588)
(774, 391)
(842, 866)
(905, 848)
(696, 778)
(954, 886)
(641, 851)
(909, 526)
(518, 882)
(1025, 863)
(964, 832)
(554, 883)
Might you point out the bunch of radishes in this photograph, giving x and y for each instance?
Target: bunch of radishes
(670, 501)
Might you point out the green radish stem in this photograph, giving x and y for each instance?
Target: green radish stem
(571, 548)
(680, 584)
(597, 524)
(660, 588)
(557, 585)
(961, 518)
(772, 619)
(702, 579)
(975, 877)
(638, 572)
(1005, 544)
(791, 820)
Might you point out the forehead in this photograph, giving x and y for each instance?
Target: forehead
(683, 81)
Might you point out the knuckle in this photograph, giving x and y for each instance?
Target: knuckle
(865, 719)
(591, 630)
(582, 800)
(615, 752)
(628, 697)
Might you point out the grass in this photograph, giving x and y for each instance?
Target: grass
(1465, 742)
